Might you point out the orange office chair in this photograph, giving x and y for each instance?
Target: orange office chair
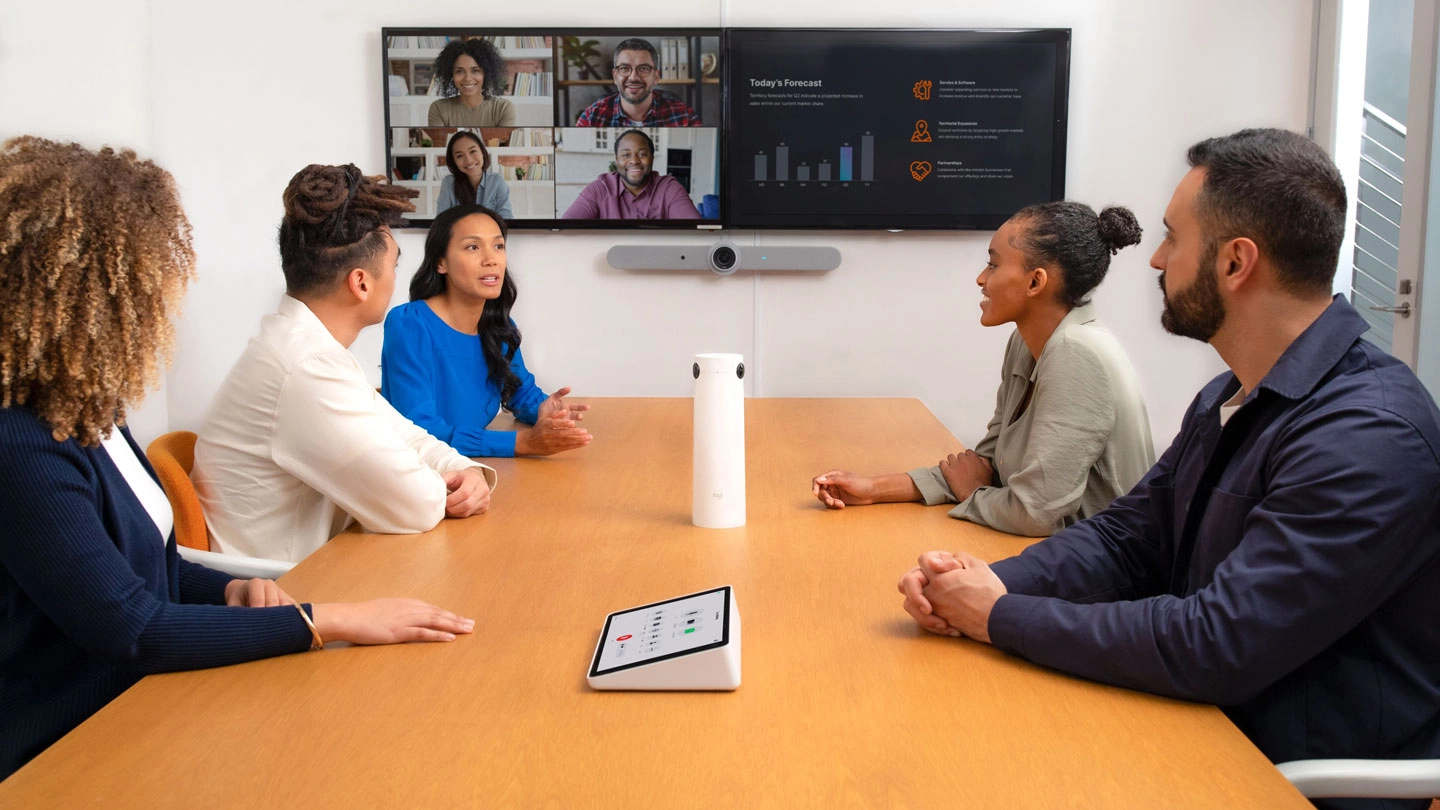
(172, 456)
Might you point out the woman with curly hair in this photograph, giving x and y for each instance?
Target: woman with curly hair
(472, 79)
(95, 254)
(1070, 432)
(451, 358)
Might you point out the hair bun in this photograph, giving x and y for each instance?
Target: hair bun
(1119, 228)
(317, 191)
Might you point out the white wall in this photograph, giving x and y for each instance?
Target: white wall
(234, 99)
(80, 74)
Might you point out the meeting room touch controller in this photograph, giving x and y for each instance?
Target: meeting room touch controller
(686, 643)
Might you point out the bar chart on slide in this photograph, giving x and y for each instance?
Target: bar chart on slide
(838, 164)
(937, 129)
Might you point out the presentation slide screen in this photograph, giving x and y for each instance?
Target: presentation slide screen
(557, 127)
(893, 129)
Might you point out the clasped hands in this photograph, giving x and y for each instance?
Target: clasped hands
(555, 429)
(952, 594)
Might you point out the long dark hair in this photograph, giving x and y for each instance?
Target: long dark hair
(499, 336)
(464, 190)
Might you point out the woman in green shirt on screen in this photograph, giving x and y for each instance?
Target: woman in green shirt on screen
(1070, 431)
(472, 79)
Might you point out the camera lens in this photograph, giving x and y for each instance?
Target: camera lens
(723, 257)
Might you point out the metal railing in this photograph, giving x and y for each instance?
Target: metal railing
(1377, 222)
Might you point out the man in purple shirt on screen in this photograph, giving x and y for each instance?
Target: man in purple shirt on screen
(637, 103)
(633, 190)
(1282, 558)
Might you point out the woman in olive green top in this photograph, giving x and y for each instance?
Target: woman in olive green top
(1070, 432)
(472, 77)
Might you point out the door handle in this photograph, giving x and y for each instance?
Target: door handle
(1403, 310)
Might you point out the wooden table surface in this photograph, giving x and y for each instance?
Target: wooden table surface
(844, 701)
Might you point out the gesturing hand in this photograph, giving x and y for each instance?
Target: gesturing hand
(840, 488)
(387, 621)
(555, 430)
(966, 472)
(555, 404)
(255, 593)
(469, 493)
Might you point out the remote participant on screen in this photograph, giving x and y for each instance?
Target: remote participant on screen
(637, 103)
(633, 190)
(471, 75)
(1070, 432)
(470, 179)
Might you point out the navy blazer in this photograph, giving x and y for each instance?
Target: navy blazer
(1308, 604)
(92, 598)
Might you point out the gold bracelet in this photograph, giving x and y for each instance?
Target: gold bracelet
(315, 641)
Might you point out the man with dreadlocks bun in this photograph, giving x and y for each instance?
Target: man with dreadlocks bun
(95, 254)
(297, 442)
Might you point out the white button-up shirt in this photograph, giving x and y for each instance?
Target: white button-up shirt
(297, 444)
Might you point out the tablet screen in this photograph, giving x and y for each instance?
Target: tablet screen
(700, 621)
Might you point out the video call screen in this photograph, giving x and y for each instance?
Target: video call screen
(555, 127)
(893, 129)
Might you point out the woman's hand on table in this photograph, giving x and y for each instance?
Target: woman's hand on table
(388, 621)
(966, 472)
(838, 489)
(255, 593)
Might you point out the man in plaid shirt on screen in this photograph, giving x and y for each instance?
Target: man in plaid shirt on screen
(637, 103)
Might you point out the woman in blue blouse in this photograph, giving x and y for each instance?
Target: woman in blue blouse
(470, 179)
(95, 257)
(451, 358)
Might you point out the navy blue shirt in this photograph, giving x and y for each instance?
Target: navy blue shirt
(1309, 608)
(92, 598)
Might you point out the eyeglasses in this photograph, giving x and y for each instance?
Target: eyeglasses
(643, 71)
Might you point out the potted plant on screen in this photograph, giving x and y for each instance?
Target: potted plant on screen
(579, 55)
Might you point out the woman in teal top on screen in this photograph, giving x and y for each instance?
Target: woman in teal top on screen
(451, 358)
(470, 179)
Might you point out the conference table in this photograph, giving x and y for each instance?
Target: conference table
(845, 702)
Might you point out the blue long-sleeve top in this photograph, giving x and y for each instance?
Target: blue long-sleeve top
(438, 378)
(493, 193)
(1307, 605)
(92, 598)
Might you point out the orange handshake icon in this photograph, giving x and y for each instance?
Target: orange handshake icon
(920, 170)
